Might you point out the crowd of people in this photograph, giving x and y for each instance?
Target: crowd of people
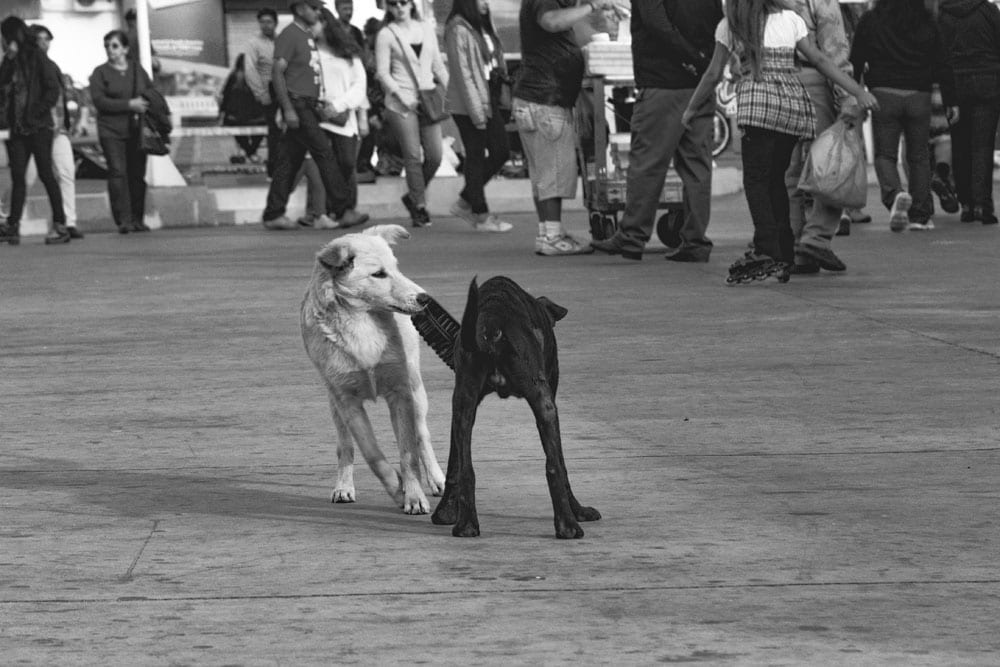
(928, 72)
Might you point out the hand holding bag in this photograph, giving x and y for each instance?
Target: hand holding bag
(430, 104)
(835, 171)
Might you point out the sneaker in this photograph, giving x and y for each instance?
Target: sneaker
(803, 267)
(461, 209)
(491, 223)
(9, 235)
(898, 220)
(74, 233)
(824, 257)
(611, 246)
(844, 226)
(282, 222)
(351, 218)
(306, 221)
(687, 255)
(921, 226)
(946, 194)
(968, 215)
(325, 222)
(984, 216)
(57, 236)
(561, 245)
(857, 215)
(419, 217)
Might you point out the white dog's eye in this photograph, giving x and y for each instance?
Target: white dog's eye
(380, 274)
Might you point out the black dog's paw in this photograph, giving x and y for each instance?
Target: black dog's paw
(569, 530)
(469, 529)
(446, 513)
(587, 514)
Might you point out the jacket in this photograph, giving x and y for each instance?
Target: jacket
(111, 91)
(30, 86)
(970, 35)
(673, 41)
(395, 76)
(468, 87)
(887, 55)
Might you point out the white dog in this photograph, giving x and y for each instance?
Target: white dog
(357, 331)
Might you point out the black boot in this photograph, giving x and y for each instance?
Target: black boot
(10, 233)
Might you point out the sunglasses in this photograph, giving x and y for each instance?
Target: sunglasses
(397, 3)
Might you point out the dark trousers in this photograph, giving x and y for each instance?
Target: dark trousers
(907, 115)
(292, 148)
(486, 152)
(365, 152)
(20, 149)
(249, 145)
(657, 138)
(345, 151)
(126, 180)
(972, 140)
(766, 156)
(273, 134)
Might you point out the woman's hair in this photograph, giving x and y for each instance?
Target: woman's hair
(14, 29)
(119, 35)
(414, 13)
(905, 14)
(337, 39)
(469, 10)
(747, 20)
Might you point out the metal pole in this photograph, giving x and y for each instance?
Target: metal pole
(142, 30)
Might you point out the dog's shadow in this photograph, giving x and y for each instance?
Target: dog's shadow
(235, 493)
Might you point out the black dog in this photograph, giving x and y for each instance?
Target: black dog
(506, 344)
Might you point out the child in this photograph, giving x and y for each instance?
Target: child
(774, 111)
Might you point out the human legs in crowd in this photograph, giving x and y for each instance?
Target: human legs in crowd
(250, 145)
(903, 114)
(972, 157)
(814, 224)
(315, 215)
(126, 183)
(293, 146)
(20, 148)
(422, 152)
(486, 151)
(65, 171)
(658, 137)
(766, 155)
(548, 137)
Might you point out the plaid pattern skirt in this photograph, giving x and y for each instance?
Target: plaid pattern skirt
(776, 99)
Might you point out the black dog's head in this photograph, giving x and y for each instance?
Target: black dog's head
(508, 333)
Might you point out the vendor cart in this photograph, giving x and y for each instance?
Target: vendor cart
(605, 168)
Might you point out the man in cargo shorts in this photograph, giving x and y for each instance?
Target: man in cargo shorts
(548, 84)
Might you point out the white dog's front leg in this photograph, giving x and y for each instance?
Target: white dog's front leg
(361, 428)
(435, 477)
(343, 492)
(401, 412)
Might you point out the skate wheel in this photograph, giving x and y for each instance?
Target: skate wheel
(668, 228)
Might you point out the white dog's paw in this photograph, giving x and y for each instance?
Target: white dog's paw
(436, 485)
(343, 494)
(416, 504)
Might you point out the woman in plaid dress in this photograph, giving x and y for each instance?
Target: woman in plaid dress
(774, 111)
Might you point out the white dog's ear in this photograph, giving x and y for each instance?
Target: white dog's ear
(391, 233)
(337, 258)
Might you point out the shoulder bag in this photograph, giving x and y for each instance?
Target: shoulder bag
(430, 103)
(150, 141)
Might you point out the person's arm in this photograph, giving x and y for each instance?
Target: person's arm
(831, 39)
(438, 68)
(654, 17)
(356, 95)
(252, 75)
(461, 59)
(51, 84)
(281, 93)
(383, 62)
(831, 71)
(706, 86)
(564, 18)
(102, 102)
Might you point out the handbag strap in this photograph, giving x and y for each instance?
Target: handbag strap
(406, 58)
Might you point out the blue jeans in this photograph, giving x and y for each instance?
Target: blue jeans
(972, 139)
(414, 139)
(126, 180)
(908, 115)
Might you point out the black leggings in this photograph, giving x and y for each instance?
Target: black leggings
(766, 156)
(20, 149)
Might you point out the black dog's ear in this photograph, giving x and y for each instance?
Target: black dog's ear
(555, 310)
(336, 259)
(469, 318)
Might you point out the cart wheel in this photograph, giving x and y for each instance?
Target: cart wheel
(668, 228)
(597, 226)
(609, 225)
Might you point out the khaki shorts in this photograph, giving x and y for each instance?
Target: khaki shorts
(548, 136)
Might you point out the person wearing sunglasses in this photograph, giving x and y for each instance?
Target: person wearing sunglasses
(407, 49)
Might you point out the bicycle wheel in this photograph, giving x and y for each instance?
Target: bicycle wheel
(721, 133)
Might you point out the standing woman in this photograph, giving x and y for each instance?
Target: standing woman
(476, 75)
(345, 116)
(116, 88)
(406, 44)
(30, 85)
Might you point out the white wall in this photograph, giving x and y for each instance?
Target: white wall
(77, 44)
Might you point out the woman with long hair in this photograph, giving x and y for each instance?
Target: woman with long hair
(116, 87)
(774, 111)
(407, 44)
(30, 85)
(897, 53)
(476, 75)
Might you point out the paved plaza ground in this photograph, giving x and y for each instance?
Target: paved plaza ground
(799, 474)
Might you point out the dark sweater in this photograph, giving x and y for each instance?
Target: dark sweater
(673, 41)
(111, 90)
(30, 85)
(886, 56)
(970, 32)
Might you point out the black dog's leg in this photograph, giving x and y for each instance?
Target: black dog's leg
(458, 504)
(547, 419)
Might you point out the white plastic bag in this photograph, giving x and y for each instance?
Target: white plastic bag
(834, 171)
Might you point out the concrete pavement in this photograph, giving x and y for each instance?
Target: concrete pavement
(800, 474)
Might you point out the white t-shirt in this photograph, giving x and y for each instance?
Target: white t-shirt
(784, 29)
(345, 86)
